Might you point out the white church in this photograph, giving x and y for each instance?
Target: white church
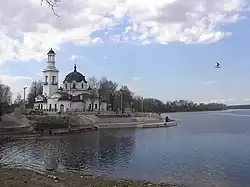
(74, 94)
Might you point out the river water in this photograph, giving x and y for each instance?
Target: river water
(206, 149)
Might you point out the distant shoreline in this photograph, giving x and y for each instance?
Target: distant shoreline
(238, 107)
(193, 111)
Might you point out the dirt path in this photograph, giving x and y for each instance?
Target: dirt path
(26, 178)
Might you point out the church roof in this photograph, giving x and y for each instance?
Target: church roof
(64, 97)
(75, 76)
(68, 97)
(51, 51)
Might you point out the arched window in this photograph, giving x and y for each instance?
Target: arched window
(74, 85)
(66, 86)
(53, 79)
(82, 85)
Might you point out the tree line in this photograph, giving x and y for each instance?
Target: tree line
(117, 97)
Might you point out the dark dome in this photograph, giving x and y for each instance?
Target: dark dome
(51, 51)
(74, 76)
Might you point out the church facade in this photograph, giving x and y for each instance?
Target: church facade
(74, 94)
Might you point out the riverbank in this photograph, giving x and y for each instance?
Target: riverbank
(51, 125)
(28, 178)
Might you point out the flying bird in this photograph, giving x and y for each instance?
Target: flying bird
(217, 65)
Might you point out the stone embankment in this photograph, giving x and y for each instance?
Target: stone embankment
(45, 125)
(58, 125)
(80, 122)
(12, 124)
(135, 120)
(76, 122)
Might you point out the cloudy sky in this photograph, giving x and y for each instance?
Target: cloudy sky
(160, 48)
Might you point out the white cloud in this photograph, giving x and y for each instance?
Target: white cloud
(74, 57)
(16, 83)
(28, 29)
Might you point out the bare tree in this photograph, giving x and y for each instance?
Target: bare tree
(52, 4)
(94, 87)
(93, 83)
(18, 99)
(107, 90)
(124, 96)
(6, 94)
(35, 90)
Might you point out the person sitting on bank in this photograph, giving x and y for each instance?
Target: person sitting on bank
(167, 119)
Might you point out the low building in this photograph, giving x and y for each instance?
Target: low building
(74, 94)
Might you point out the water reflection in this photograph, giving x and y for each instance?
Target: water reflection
(104, 150)
(80, 150)
(115, 145)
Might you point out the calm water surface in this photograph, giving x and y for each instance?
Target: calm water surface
(206, 149)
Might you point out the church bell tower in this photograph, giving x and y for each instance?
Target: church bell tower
(50, 75)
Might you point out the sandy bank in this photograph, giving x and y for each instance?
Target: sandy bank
(27, 178)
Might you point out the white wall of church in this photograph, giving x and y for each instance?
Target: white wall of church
(40, 106)
(103, 106)
(37, 105)
(78, 106)
(51, 84)
(52, 105)
(65, 104)
(46, 90)
(88, 103)
(45, 106)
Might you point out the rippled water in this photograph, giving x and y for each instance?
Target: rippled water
(206, 149)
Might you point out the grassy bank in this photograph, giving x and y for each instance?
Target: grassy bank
(27, 178)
